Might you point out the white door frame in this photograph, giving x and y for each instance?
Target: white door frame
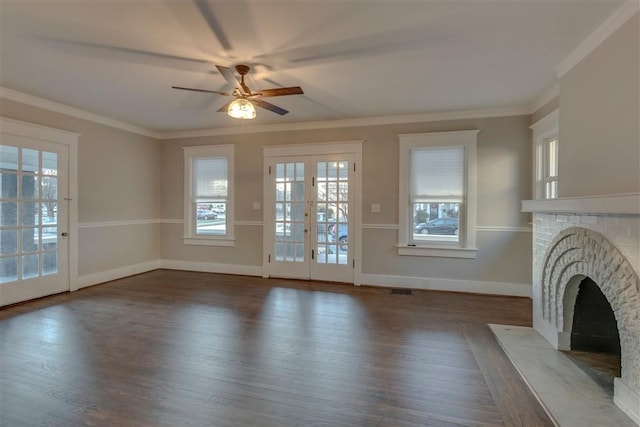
(70, 139)
(335, 147)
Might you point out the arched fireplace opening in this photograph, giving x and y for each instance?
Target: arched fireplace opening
(595, 340)
(594, 324)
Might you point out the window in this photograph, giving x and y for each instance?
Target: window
(550, 156)
(437, 194)
(545, 146)
(208, 193)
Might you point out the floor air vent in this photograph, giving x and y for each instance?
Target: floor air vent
(398, 291)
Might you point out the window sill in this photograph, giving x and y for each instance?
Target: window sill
(442, 252)
(208, 241)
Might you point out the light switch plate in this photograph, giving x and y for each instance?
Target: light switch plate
(256, 206)
(375, 207)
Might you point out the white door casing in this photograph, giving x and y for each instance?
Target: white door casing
(39, 254)
(308, 187)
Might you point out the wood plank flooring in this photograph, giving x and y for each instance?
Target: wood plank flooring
(172, 348)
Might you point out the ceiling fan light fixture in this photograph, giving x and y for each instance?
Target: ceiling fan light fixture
(242, 109)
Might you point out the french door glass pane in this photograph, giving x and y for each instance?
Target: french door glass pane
(49, 163)
(30, 160)
(30, 267)
(9, 156)
(8, 214)
(50, 238)
(8, 269)
(8, 241)
(289, 215)
(49, 212)
(30, 187)
(8, 185)
(49, 188)
(30, 215)
(30, 240)
(49, 263)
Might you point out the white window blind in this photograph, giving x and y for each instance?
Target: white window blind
(437, 175)
(210, 179)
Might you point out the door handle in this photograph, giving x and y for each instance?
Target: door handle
(65, 234)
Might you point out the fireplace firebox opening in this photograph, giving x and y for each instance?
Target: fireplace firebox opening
(595, 341)
(594, 324)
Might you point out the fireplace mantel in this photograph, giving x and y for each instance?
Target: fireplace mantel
(610, 204)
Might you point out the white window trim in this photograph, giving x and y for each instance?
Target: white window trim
(543, 130)
(190, 237)
(466, 248)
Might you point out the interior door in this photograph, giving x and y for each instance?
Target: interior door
(308, 217)
(33, 219)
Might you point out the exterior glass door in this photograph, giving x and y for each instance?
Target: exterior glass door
(309, 217)
(33, 221)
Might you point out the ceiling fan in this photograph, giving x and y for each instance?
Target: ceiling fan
(242, 107)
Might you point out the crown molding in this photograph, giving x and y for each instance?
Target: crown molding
(608, 27)
(544, 98)
(342, 123)
(34, 101)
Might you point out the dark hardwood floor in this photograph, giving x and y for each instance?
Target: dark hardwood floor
(172, 348)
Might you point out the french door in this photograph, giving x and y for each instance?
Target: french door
(309, 217)
(33, 218)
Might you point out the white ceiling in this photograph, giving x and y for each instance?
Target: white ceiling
(353, 58)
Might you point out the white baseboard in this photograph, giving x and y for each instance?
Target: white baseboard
(626, 399)
(452, 285)
(117, 273)
(492, 288)
(211, 267)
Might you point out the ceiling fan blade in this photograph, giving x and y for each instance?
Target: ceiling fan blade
(282, 91)
(201, 90)
(268, 106)
(225, 107)
(214, 23)
(228, 75)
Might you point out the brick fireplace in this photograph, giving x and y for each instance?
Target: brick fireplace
(595, 238)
